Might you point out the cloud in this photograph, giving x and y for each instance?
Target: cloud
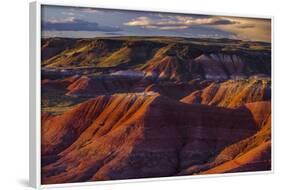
(68, 13)
(73, 24)
(70, 19)
(177, 22)
(90, 10)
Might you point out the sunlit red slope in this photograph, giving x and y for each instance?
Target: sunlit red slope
(232, 93)
(138, 135)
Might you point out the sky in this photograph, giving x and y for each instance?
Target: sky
(78, 22)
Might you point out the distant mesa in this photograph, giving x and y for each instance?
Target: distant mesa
(175, 59)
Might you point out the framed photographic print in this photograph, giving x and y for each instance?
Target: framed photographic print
(119, 95)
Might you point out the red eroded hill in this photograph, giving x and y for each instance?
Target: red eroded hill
(92, 86)
(165, 64)
(250, 154)
(232, 93)
(59, 84)
(137, 135)
(167, 67)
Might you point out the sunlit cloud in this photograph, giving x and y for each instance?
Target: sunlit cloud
(176, 22)
(241, 28)
(90, 10)
(68, 13)
(64, 20)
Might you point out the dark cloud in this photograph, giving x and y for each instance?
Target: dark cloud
(222, 22)
(76, 25)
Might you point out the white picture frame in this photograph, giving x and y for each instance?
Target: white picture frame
(35, 93)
